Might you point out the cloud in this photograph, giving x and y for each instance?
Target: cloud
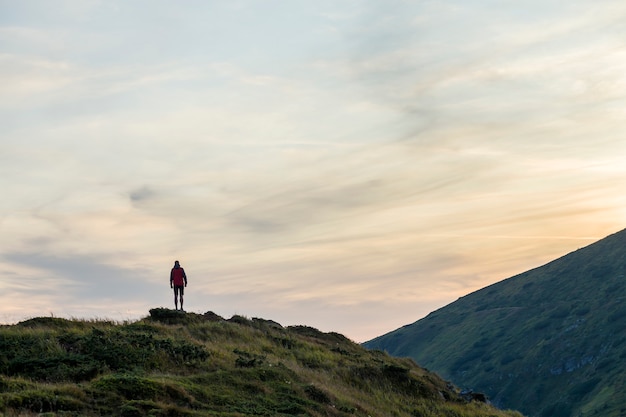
(141, 194)
(335, 164)
(84, 275)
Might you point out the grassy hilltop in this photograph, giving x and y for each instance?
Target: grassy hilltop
(175, 364)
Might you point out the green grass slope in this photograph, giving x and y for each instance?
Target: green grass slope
(550, 342)
(176, 364)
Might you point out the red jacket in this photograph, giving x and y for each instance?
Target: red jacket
(178, 277)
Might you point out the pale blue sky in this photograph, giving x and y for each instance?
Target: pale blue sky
(348, 165)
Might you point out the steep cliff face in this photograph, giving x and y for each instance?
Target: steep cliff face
(549, 342)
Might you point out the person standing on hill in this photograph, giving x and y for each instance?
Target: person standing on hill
(178, 281)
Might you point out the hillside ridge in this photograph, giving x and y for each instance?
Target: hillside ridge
(548, 342)
(185, 364)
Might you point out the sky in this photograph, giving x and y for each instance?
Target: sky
(349, 165)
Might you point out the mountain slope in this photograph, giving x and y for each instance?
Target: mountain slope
(176, 364)
(548, 342)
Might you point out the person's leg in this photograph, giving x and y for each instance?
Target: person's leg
(176, 297)
(182, 292)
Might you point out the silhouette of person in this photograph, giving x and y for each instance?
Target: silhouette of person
(178, 281)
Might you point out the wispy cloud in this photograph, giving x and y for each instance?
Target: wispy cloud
(349, 165)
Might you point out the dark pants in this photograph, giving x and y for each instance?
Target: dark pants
(179, 289)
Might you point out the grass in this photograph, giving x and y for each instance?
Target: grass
(174, 364)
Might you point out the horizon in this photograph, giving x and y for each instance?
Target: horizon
(350, 167)
(119, 319)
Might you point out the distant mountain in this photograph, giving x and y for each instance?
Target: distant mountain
(550, 342)
(176, 364)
